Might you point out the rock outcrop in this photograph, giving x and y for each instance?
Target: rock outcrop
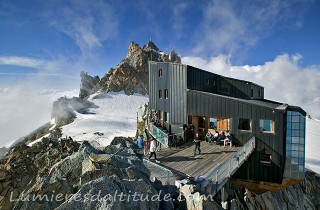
(64, 109)
(89, 85)
(22, 165)
(299, 196)
(131, 74)
(142, 121)
(61, 174)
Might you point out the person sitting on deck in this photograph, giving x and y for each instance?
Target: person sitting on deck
(208, 137)
(221, 138)
(215, 136)
(228, 139)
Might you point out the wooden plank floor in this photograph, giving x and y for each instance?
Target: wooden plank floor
(182, 161)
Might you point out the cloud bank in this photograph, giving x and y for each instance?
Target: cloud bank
(25, 108)
(283, 79)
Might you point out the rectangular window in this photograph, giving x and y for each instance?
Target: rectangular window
(251, 93)
(266, 126)
(166, 116)
(160, 93)
(166, 94)
(244, 124)
(160, 72)
(160, 115)
(265, 159)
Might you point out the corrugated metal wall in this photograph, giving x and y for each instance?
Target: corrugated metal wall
(206, 104)
(178, 96)
(174, 78)
(213, 83)
(157, 83)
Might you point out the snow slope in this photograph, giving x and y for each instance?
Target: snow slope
(313, 144)
(116, 116)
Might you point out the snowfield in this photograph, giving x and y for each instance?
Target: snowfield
(116, 115)
(313, 144)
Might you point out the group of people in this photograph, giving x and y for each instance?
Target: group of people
(153, 147)
(220, 138)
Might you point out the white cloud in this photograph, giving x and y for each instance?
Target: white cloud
(234, 26)
(179, 18)
(21, 61)
(87, 23)
(283, 79)
(42, 71)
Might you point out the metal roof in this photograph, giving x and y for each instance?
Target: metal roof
(262, 103)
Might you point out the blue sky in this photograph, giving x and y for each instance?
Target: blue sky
(45, 44)
(57, 39)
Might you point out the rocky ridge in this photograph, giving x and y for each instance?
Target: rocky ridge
(51, 174)
(131, 74)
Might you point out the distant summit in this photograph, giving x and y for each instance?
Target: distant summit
(131, 74)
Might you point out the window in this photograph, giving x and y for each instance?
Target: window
(244, 124)
(160, 72)
(251, 93)
(266, 126)
(166, 116)
(295, 145)
(166, 94)
(265, 159)
(160, 115)
(213, 123)
(160, 93)
(259, 93)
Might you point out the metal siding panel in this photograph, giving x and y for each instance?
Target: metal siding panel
(223, 106)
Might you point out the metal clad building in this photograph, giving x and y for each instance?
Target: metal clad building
(182, 94)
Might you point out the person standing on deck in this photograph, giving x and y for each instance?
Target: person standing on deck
(196, 144)
(153, 148)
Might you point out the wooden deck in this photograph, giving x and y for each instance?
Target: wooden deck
(181, 161)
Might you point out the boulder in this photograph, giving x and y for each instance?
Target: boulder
(113, 193)
(46, 193)
(70, 168)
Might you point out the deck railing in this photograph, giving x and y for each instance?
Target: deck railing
(161, 173)
(159, 135)
(220, 175)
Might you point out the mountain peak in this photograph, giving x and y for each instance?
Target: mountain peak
(150, 46)
(131, 75)
(134, 48)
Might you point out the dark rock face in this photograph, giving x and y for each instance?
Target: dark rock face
(299, 196)
(23, 166)
(61, 174)
(64, 109)
(89, 85)
(131, 74)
